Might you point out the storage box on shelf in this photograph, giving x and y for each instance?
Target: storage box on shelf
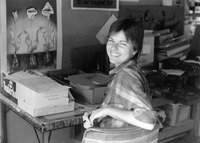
(183, 118)
(176, 113)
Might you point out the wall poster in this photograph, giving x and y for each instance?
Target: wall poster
(33, 35)
(107, 5)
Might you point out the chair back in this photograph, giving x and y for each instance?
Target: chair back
(120, 135)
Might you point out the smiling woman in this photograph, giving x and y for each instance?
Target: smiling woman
(127, 105)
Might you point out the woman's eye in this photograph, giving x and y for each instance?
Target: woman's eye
(122, 44)
(110, 41)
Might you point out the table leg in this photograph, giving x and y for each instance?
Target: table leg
(36, 133)
(43, 136)
(196, 117)
(49, 137)
(3, 124)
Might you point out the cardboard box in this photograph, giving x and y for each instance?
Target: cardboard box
(35, 111)
(147, 55)
(37, 91)
(92, 96)
(176, 113)
(172, 3)
(89, 87)
(183, 114)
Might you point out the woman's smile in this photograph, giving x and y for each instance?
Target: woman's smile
(114, 54)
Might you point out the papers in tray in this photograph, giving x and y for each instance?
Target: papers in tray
(88, 81)
(173, 72)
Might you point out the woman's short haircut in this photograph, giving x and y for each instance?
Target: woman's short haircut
(134, 31)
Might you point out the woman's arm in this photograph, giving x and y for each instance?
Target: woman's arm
(147, 122)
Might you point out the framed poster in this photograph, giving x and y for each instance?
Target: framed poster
(106, 5)
(31, 35)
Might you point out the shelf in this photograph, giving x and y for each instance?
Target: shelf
(193, 14)
(171, 131)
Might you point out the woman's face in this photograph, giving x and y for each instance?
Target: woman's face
(119, 50)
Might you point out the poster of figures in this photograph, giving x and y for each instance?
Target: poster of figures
(32, 35)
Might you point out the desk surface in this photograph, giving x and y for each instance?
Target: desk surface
(61, 120)
(50, 122)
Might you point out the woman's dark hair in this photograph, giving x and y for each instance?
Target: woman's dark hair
(133, 30)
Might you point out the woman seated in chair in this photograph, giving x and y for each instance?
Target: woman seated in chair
(128, 101)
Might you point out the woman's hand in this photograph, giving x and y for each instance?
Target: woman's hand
(89, 118)
(98, 114)
(86, 120)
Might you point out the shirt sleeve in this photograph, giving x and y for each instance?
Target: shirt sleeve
(130, 90)
(131, 93)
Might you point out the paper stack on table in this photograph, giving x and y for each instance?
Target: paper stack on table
(39, 95)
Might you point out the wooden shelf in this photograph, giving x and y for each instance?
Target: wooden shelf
(193, 14)
(171, 131)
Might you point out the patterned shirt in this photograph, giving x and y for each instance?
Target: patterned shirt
(129, 90)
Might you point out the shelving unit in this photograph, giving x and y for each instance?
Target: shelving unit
(190, 127)
(170, 133)
(193, 14)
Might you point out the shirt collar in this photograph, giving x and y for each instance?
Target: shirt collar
(122, 66)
